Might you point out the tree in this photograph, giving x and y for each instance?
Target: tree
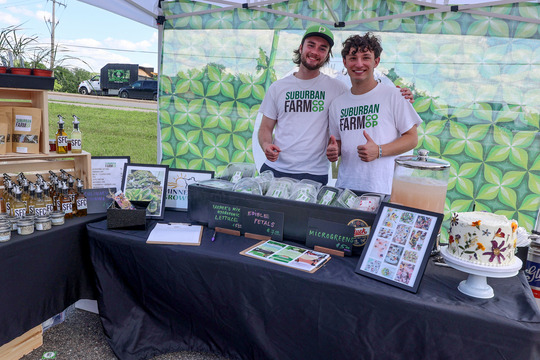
(68, 80)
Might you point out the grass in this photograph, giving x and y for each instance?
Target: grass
(110, 132)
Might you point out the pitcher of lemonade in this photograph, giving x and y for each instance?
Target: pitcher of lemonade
(420, 182)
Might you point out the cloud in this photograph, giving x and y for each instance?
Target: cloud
(9, 19)
(128, 45)
(43, 15)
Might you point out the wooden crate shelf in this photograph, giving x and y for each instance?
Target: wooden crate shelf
(35, 98)
(22, 345)
(79, 165)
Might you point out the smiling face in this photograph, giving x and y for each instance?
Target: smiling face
(360, 65)
(314, 52)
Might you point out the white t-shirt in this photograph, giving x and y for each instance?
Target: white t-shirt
(385, 115)
(300, 108)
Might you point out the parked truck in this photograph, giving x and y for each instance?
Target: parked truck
(112, 77)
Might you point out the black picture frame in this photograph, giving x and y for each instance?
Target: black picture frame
(177, 186)
(399, 245)
(137, 188)
(107, 171)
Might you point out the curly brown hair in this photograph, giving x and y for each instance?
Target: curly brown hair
(368, 42)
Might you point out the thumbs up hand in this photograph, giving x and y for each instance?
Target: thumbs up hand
(369, 151)
(332, 151)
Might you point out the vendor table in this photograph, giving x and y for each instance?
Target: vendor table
(163, 298)
(42, 274)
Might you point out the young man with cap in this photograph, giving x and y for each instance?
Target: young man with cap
(371, 124)
(295, 110)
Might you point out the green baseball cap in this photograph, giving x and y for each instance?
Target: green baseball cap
(321, 31)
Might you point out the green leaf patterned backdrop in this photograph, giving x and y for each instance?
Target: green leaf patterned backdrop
(475, 80)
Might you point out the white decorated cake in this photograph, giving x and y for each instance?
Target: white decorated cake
(482, 238)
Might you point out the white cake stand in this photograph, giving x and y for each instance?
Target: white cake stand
(476, 284)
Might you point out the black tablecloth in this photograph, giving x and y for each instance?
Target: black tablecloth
(162, 298)
(42, 274)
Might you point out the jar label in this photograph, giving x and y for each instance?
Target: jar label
(75, 144)
(81, 204)
(41, 211)
(66, 208)
(50, 208)
(62, 141)
(19, 212)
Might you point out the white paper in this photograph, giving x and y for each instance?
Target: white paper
(175, 233)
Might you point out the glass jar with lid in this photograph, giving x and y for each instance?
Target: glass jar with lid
(420, 182)
(57, 218)
(5, 231)
(25, 226)
(42, 223)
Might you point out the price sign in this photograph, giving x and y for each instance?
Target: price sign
(330, 235)
(225, 216)
(263, 222)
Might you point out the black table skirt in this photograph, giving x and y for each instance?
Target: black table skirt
(163, 298)
(42, 274)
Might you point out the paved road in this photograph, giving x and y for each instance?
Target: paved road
(103, 101)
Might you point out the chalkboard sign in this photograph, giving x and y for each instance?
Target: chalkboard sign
(225, 216)
(97, 199)
(330, 235)
(263, 222)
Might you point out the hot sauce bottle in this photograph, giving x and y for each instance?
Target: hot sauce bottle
(18, 209)
(65, 202)
(47, 198)
(76, 137)
(61, 137)
(40, 208)
(80, 200)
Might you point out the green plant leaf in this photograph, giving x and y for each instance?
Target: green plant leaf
(478, 28)
(499, 28)
(213, 89)
(488, 192)
(534, 183)
(223, 139)
(478, 132)
(258, 92)
(460, 205)
(166, 134)
(502, 136)
(465, 187)
(197, 88)
(195, 164)
(209, 138)
(498, 153)
(474, 149)
(530, 203)
(525, 221)
(519, 157)
(222, 154)
(211, 122)
(513, 178)
(492, 174)
(214, 74)
(454, 147)
(469, 170)
(244, 91)
(422, 104)
(180, 164)
(167, 149)
(483, 111)
(508, 197)
(458, 130)
(209, 152)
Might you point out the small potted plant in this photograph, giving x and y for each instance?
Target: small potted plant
(16, 48)
(36, 62)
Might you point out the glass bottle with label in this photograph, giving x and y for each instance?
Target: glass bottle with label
(65, 202)
(40, 207)
(61, 137)
(25, 196)
(31, 202)
(17, 207)
(80, 200)
(8, 191)
(47, 198)
(76, 137)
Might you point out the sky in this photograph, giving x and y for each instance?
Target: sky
(83, 31)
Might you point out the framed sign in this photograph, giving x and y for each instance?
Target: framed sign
(143, 182)
(399, 245)
(107, 171)
(177, 186)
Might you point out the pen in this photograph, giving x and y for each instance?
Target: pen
(214, 236)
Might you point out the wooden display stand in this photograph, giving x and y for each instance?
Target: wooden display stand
(24, 344)
(79, 165)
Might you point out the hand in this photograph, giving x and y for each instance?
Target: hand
(332, 151)
(407, 94)
(271, 152)
(369, 151)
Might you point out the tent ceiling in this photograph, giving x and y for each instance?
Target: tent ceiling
(147, 11)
